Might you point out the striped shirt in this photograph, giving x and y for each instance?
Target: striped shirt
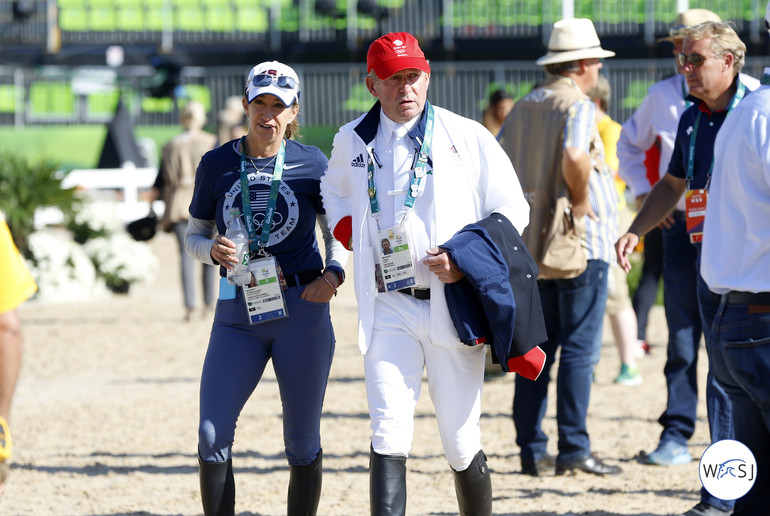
(581, 132)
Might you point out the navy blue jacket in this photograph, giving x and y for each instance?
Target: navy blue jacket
(497, 301)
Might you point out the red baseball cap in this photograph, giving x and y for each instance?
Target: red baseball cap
(394, 52)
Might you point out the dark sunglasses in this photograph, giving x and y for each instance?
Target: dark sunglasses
(696, 60)
(282, 81)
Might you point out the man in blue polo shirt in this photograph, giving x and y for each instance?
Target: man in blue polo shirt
(711, 59)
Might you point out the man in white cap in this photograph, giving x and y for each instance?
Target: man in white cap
(711, 59)
(735, 262)
(552, 140)
(415, 174)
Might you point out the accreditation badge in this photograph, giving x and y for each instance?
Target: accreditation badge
(265, 301)
(395, 259)
(695, 209)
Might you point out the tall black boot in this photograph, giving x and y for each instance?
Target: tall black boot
(474, 488)
(387, 485)
(305, 488)
(217, 488)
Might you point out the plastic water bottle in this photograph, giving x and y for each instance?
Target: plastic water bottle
(236, 232)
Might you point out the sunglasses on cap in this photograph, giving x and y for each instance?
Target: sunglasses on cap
(282, 81)
(696, 60)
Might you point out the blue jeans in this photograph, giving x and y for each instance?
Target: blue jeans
(647, 290)
(573, 311)
(743, 339)
(720, 414)
(680, 300)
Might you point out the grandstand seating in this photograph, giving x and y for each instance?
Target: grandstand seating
(635, 93)
(214, 22)
(293, 27)
(129, 16)
(7, 98)
(51, 100)
(102, 104)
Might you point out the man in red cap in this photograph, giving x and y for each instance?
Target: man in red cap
(416, 174)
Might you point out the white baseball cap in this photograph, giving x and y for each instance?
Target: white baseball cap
(274, 78)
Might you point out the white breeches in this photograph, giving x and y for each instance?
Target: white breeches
(399, 351)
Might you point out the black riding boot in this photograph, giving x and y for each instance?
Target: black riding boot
(387, 485)
(474, 488)
(305, 488)
(217, 488)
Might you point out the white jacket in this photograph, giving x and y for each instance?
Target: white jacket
(472, 175)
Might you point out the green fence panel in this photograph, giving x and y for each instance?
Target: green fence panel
(7, 98)
(51, 99)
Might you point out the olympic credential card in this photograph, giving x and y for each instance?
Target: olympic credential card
(264, 301)
(395, 259)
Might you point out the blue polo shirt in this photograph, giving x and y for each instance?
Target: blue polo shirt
(708, 127)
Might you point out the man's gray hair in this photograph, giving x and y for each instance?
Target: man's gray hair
(601, 92)
(724, 40)
(562, 68)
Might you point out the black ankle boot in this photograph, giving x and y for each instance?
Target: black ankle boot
(305, 488)
(387, 485)
(474, 488)
(217, 488)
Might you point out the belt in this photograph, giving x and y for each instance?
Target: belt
(748, 298)
(417, 293)
(301, 278)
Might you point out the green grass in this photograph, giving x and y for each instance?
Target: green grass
(81, 146)
(70, 146)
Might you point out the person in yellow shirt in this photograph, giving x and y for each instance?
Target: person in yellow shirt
(16, 286)
(619, 307)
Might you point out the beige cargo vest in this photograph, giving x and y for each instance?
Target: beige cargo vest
(533, 137)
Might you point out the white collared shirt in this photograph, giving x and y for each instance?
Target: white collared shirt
(392, 182)
(736, 233)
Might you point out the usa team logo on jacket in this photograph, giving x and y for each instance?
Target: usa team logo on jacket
(286, 212)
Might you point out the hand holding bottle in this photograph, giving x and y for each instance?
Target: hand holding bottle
(232, 250)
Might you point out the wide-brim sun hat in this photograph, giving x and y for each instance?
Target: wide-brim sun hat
(573, 39)
(394, 52)
(274, 78)
(689, 18)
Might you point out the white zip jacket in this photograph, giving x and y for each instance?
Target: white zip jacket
(472, 175)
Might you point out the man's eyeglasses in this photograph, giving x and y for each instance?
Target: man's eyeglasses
(282, 81)
(696, 60)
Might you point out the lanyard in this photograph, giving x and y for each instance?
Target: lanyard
(419, 167)
(694, 135)
(271, 202)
